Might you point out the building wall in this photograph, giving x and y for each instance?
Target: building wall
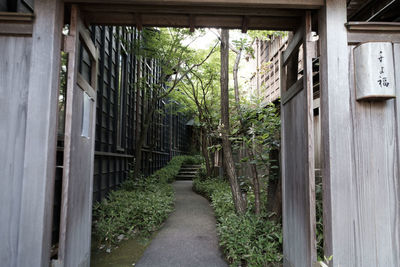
(120, 111)
(119, 116)
(265, 79)
(15, 55)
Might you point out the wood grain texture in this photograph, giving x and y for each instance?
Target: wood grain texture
(296, 235)
(183, 20)
(374, 187)
(14, 65)
(292, 91)
(298, 181)
(303, 4)
(373, 26)
(360, 141)
(16, 29)
(16, 24)
(336, 134)
(308, 52)
(34, 239)
(187, 9)
(77, 191)
(355, 37)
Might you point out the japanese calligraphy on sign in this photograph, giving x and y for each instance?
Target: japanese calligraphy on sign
(374, 71)
(382, 81)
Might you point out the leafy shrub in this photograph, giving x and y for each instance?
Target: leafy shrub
(194, 160)
(129, 212)
(202, 173)
(139, 207)
(246, 240)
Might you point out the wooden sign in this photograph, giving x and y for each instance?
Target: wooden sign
(374, 71)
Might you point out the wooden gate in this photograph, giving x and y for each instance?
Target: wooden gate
(298, 180)
(77, 186)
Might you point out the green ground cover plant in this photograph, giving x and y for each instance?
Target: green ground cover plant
(248, 239)
(139, 206)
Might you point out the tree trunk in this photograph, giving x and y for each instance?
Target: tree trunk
(274, 196)
(256, 183)
(235, 78)
(140, 143)
(253, 166)
(204, 150)
(240, 204)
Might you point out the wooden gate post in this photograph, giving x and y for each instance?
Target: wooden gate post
(34, 239)
(336, 134)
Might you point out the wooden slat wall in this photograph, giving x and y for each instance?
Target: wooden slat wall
(14, 77)
(298, 178)
(374, 184)
(110, 170)
(269, 80)
(34, 236)
(296, 235)
(77, 186)
(360, 144)
(336, 135)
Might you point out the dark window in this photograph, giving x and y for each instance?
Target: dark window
(121, 90)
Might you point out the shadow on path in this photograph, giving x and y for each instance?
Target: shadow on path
(189, 236)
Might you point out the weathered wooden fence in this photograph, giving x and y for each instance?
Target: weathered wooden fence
(298, 180)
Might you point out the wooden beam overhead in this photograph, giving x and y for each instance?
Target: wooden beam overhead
(300, 4)
(201, 21)
(359, 32)
(373, 26)
(16, 24)
(198, 10)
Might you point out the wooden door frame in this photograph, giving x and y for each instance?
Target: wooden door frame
(34, 244)
(291, 87)
(77, 35)
(36, 207)
(90, 18)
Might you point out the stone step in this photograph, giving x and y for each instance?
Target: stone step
(191, 166)
(187, 172)
(185, 177)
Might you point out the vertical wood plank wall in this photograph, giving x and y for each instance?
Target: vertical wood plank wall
(298, 180)
(295, 183)
(360, 142)
(14, 66)
(375, 186)
(336, 134)
(75, 233)
(34, 239)
(29, 67)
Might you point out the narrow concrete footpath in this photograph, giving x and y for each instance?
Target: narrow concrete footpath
(189, 236)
